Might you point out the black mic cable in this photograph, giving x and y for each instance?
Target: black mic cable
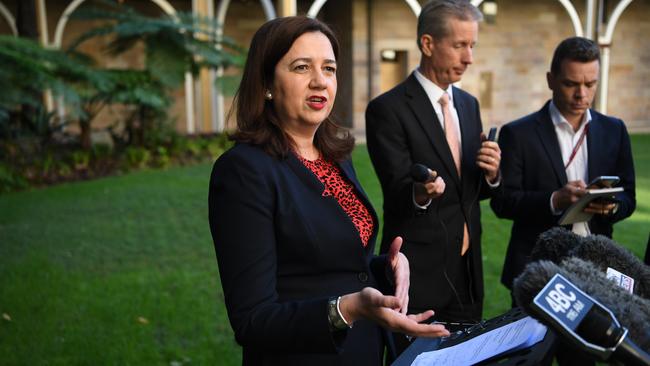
(492, 135)
(421, 174)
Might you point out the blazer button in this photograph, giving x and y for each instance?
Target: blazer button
(363, 277)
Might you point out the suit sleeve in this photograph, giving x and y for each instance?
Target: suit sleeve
(390, 155)
(625, 171)
(241, 214)
(514, 201)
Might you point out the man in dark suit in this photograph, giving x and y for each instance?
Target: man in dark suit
(548, 157)
(550, 154)
(426, 120)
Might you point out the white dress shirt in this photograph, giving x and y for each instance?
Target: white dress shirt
(567, 139)
(434, 92)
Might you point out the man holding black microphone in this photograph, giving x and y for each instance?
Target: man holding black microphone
(548, 157)
(426, 120)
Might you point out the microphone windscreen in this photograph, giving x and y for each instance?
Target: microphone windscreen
(555, 244)
(531, 281)
(633, 312)
(604, 252)
(419, 173)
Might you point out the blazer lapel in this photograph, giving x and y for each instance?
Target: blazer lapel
(304, 174)
(421, 106)
(468, 145)
(548, 138)
(311, 180)
(465, 132)
(595, 137)
(348, 172)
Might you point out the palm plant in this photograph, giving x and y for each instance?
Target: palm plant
(127, 87)
(28, 70)
(173, 44)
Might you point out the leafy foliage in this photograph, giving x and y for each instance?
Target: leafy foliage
(27, 71)
(34, 146)
(174, 44)
(24, 164)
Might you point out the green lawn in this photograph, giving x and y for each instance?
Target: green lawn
(122, 271)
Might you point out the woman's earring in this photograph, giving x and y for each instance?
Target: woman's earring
(268, 95)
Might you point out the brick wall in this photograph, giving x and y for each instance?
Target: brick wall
(512, 58)
(629, 79)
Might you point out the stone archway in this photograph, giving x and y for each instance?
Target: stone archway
(168, 9)
(11, 21)
(605, 42)
(218, 98)
(63, 21)
(316, 6)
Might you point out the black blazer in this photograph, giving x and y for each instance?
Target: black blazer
(402, 129)
(283, 249)
(532, 168)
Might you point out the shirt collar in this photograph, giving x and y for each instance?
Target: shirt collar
(558, 118)
(434, 92)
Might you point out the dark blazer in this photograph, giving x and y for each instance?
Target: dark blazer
(283, 249)
(532, 168)
(402, 129)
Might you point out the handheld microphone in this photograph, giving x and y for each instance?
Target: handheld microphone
(559, 243)
(420, 173)
(492, 135)
(555, 296)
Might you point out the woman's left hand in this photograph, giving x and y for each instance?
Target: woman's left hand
(400, 267)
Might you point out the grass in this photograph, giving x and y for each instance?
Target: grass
(122, 270)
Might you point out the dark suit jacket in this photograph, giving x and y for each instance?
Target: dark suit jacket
(283, 249)
(402, 129)
(532, 168)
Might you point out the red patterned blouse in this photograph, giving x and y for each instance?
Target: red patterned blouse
(335, 185)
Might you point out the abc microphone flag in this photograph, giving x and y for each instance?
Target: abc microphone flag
(576, 316)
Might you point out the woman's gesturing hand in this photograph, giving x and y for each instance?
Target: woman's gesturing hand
(399, 265)
(384, 310)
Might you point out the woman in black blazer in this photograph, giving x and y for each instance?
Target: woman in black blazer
(293, 231)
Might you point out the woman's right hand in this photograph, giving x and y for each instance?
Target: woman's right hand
(371, 304)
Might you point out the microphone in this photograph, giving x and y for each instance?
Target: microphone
(420, 173)
(558, 243)
(492, 135)
(555, 244)
(606, 253)
(558, 297)
(633, 311)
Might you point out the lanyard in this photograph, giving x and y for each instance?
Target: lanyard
(577, 147)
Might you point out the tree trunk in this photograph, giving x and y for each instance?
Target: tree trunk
(26, 26)
(84, 135)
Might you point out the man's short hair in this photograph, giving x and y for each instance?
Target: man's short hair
(574, 49)
(434, 17)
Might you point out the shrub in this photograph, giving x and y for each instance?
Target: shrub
(137, 157)
(161, 158)
(80, 159)
(10, 181)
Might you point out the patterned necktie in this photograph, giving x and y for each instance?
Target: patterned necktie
(451, 133)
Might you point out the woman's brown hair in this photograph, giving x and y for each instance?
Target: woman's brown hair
(257, 121)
